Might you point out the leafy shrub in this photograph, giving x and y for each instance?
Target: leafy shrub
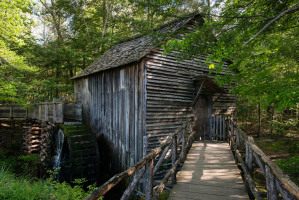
(291, 167)
(22, 188)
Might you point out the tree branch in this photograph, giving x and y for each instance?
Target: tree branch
(294, 8)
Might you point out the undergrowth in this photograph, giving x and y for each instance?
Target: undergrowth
(291, 167)
(24, 187)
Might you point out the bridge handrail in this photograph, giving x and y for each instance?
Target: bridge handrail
(147, 160)
(56, 111)
(276, 180)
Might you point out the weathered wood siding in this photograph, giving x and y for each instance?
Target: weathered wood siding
(114, 106)
(170, 94)
(83, 95)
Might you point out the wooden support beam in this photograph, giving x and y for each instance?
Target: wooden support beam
(184, 144)
(39, 112)
(248, 158)
(198, 93)
(271, 185)
(149, 180)
(46, 112)
(174, 155)
(161, 159)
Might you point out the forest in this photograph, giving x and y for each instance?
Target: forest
(44, 43)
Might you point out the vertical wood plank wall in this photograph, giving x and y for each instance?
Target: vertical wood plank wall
(170, 94)
(113, 106)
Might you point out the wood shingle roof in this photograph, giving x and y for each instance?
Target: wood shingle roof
(133, 50)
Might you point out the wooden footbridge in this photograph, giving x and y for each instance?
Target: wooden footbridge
(210, 168)
(209, 172)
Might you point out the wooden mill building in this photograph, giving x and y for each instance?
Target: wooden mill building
(134, 91)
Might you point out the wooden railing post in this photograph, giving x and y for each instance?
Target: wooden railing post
(238, 138)
(271, 186)
(227, 130)
(248, 158)
(149, 180)
(214, 134)
(217, 128)
(184, 143)
(210, 127)
(174, 155)
(223, 125)
(220, 128)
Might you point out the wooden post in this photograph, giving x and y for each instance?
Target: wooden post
(184, 143)
(10, 112)
(228, 130)
(210, 129)
(54, 112)
(39, 112)
(232, 129)
(217, 128)
(223, 127)
(248, 158)
(34, 111)
(174, 154)
(271, 185)
(214, 134)
(149, 180)
(238, 138)
(220, 128)
(46, 112)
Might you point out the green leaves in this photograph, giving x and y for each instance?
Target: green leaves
(267, 66)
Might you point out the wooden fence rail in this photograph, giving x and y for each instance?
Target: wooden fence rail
(277, 182)
(56, 112)
(178, 140)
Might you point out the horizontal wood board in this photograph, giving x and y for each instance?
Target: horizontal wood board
(171, 90)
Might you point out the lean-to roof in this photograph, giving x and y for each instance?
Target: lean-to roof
(132, 50)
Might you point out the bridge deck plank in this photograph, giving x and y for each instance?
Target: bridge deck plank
(209, 172)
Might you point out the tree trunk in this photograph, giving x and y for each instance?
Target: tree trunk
(260, 121)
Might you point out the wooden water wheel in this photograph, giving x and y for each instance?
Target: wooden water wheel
(83, 152)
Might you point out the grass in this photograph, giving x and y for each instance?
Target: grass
(23, 188)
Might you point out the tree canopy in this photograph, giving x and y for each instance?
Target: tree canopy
(44, 43)
(260, 39)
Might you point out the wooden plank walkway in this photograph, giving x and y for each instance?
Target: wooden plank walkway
(209, 172)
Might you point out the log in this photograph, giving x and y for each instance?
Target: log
(174, 154)
(149, 180)
(161, 159)
(271, 186)
(248, 159)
